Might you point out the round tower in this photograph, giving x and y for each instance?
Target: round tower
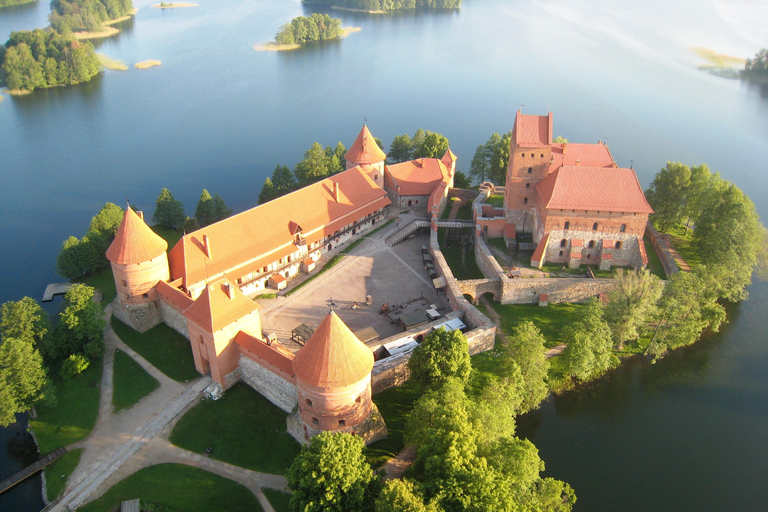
(333, 380)
(368, 155)
(138, 259)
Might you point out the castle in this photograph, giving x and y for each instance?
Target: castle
(572, 198)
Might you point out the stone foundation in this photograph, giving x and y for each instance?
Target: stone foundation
(371, 430)
(141, 317)
(174, 319)
(274, 388)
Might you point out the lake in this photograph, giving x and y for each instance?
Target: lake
(685, 434)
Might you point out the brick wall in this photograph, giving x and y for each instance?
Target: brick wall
(274, 388)
(628, 255)
(485, 260)
(526, 291)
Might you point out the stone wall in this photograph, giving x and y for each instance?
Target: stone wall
(463, 194)
(526, 291)
(174, 319)
(275, 389)
(485, 260)
(141, 317)
(628, 255)
(390, 373)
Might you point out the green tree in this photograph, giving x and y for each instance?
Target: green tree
(500, 159)
(168, 211)
(331, 475)
(589, 344)
(560, 140)
(267, 191)
(23, 380)
(442, 355)
(283, 180)
(107, 220)
(73, 365)
(401, 149)
(480, 168)
(314, 167)
(77, 258)
(631, 303)
(80, 328)
(24, 320)
(525, 350)
(339, 151)
(460, 180)
(220, 210)
(667, 194)
(434, 145)
(402, 496)
(758, 64)
(417, 141)
(204, 211)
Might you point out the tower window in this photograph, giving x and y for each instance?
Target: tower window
(309, 402)
(359, 400)
(530, 170)
(525, 200)
(561, 253)
(342, 423)
(589, 256)
(542, 155)
(591, 244)
(563, 242)
(527, 185)
(567, 225)
(618, 245)
(623, 228)
(594, 226)
(124, 283)
(316, 422)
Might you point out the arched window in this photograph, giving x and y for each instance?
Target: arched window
(563, 242)
(525, 200)
(594, 226)
(542, 155)
(561, 253)
(591, 244)
(315, 422)
(124, 283)
(618, 246)
(309, 402)
(530, 170)
(623, 228)
(342, 423)
(567, 225)
(527, 185)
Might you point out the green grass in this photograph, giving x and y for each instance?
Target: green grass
(495, 200)
(57, 474)
(467, 269)
(501, 245)
(267, 296)
(654, 262)
(328, 266)
(164, 348)
(394, 404)
(278, 499)
(74, 416)
(178, 487)
(465, 211)
(131, 382)
(683, 242)
(243, 428)
(170, 235)
(103, 281)
(449, 207)
(550, 320)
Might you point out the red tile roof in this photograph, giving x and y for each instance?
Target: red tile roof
(135, 242)
(418, 177)
(586, 155)
(214, 309)
(533, 131)
(177, 299)
(257, 237)
(538, 254)
(333, 356)
(448, 157)
(365, 150)
(593, 188)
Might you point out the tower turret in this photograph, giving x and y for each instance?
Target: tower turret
(368, 155)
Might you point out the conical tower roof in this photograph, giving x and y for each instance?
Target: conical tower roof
(135, 242)
(448, 157)
(365, 150)
(333, 356)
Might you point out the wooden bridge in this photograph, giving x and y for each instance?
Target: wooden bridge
(31, 469)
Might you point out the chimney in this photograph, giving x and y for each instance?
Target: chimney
(565, 146)
(230, 290)
(207, 245)
(336, 191)
(578, 162)
(140, 214)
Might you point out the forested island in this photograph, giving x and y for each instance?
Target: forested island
(306, 29)
(386, 5)
(8, 3)
(757, 67)
(89, 15)
(45, 58)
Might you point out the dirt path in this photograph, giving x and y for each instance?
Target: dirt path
(396, 466)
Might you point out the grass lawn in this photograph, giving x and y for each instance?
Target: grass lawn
(654, 263)
(164, 348)
(328, 266)
(278, 499)
(550, 320)
(684, 245)
(465, 211)
(170, 235)
(74, 416)
(495, 200)
(131, 382)
(57, 474)
(394, 404)
(449, 207)
(466, 270)
(178, 487)
(103, 281)
(253, 436)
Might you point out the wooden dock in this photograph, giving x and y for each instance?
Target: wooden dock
(31, 469)
(55, 289)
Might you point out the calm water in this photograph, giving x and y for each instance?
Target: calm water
(685, 434)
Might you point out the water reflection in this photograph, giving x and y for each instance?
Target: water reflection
(125, 27)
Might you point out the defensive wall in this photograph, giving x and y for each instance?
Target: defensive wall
(663, 245)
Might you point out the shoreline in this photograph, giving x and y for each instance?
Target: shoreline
(172, 5)
(275, 47)
(108, 31)
(349, 9)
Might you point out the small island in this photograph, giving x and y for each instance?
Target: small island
(301, 30)
(171, 5)
(147, 64)
(89, 19)
(756, 69)
(382, 6)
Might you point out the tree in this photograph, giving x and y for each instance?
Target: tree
(73, 365)
(204, 211)
(500, 159)
(442, 355)
(23, 380)
(106, 222)
(24, 320)
(560, 140)
(589, 344)
(220, 210)
(339, 151)
(331, 474)
(168, 211)
(631, 303)
(402, 496)
(401, 149)
(460, 180)
(525, 350)
(77, 258)
(267, 191)
(480, 168)
(667, 194)
(314, 167)
(758, 64)
(434, 145)
(80, 328)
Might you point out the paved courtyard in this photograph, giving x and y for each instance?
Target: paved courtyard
(392, 275)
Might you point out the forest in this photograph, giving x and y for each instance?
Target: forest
(317, 27)
(8, 3)
(69, 15)
(388, 5)
(44, 58)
